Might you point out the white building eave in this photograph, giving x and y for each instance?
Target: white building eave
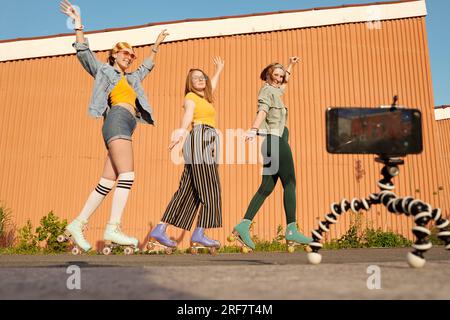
(61, 45)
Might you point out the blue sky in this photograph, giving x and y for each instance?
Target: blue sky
(31, 18)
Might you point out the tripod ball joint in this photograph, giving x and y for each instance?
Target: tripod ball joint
(314, 258)
(443, 225)
(415, 261)
(357, 205)
(393, 171)
(388, 173)
(374, 198)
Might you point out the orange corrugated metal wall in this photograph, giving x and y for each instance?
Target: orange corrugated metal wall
(443, 154)
(52, 153)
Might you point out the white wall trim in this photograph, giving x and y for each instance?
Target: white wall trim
(442, 113)
(61, 45)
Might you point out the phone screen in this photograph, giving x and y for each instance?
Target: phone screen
(393, 132)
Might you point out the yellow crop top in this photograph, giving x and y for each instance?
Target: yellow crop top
(123, 93)
(204, 112)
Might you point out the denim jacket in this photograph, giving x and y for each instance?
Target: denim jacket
(106, 78)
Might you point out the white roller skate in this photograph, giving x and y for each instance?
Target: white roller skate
(114, 238)
(74, 234)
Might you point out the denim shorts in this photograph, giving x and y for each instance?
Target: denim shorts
(119, 124)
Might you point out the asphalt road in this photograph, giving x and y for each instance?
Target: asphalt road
(343, 274)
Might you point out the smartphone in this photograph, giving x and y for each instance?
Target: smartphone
(391, 132)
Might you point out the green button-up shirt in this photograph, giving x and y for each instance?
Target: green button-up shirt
(269, 101)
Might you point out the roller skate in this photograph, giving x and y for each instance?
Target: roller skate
(295, 238)
(241, 233)
(159, 241)
(115, 238)
(74, 234)
(200, 241)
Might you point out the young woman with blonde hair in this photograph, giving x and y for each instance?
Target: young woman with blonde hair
(118, 96)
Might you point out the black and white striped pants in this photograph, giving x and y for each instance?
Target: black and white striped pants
(200, 183)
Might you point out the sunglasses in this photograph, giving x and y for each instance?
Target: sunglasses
(128, 54)
(199, 78)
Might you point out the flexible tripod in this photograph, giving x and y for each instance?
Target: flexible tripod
(421, 211)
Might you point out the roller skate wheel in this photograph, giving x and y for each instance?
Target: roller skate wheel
(291, 249)
(194, 251)
(231, 238)
(61, 238)
(169, 251)
(106, 251)
(75, 251)
(415, 261)
(245, 250)
(212, 250)
(314, 257)
(128, 251)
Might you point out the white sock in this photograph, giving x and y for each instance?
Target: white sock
(95, 198)
(125, 181)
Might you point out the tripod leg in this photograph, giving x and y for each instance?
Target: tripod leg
(443, 225)
(422, 215)
(337, 209)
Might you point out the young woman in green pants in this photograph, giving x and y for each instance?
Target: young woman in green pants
(278, 162)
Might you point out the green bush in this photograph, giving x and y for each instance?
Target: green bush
(380, 239)
(6, 237)
(356, 237)
(5, 217)
(49, 230)
(28, 241)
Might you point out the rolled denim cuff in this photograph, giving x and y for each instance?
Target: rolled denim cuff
(81, 46)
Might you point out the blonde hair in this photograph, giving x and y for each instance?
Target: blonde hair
(267, 72)
(190, 88)
(119, 46)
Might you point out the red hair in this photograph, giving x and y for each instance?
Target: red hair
(190, 88)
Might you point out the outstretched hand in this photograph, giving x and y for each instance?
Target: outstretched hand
(294, 60)
(161, 36)
(68, 9)
(250, 135)
(177, 137)
(219, 63)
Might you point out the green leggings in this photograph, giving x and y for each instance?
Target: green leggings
(286, 172)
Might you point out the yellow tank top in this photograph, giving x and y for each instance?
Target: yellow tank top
(123, 93)
(204, 112)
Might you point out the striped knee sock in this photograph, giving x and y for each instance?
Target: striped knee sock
(121, 196)
(95, 198)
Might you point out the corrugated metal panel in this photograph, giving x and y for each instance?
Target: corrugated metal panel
(443, 154)
(52, 153)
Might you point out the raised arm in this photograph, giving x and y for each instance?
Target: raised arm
(219, 64)
(292, 62)
(163, 34)
(179, 134)
(86, 57)
(147, 66)
(68, 9)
